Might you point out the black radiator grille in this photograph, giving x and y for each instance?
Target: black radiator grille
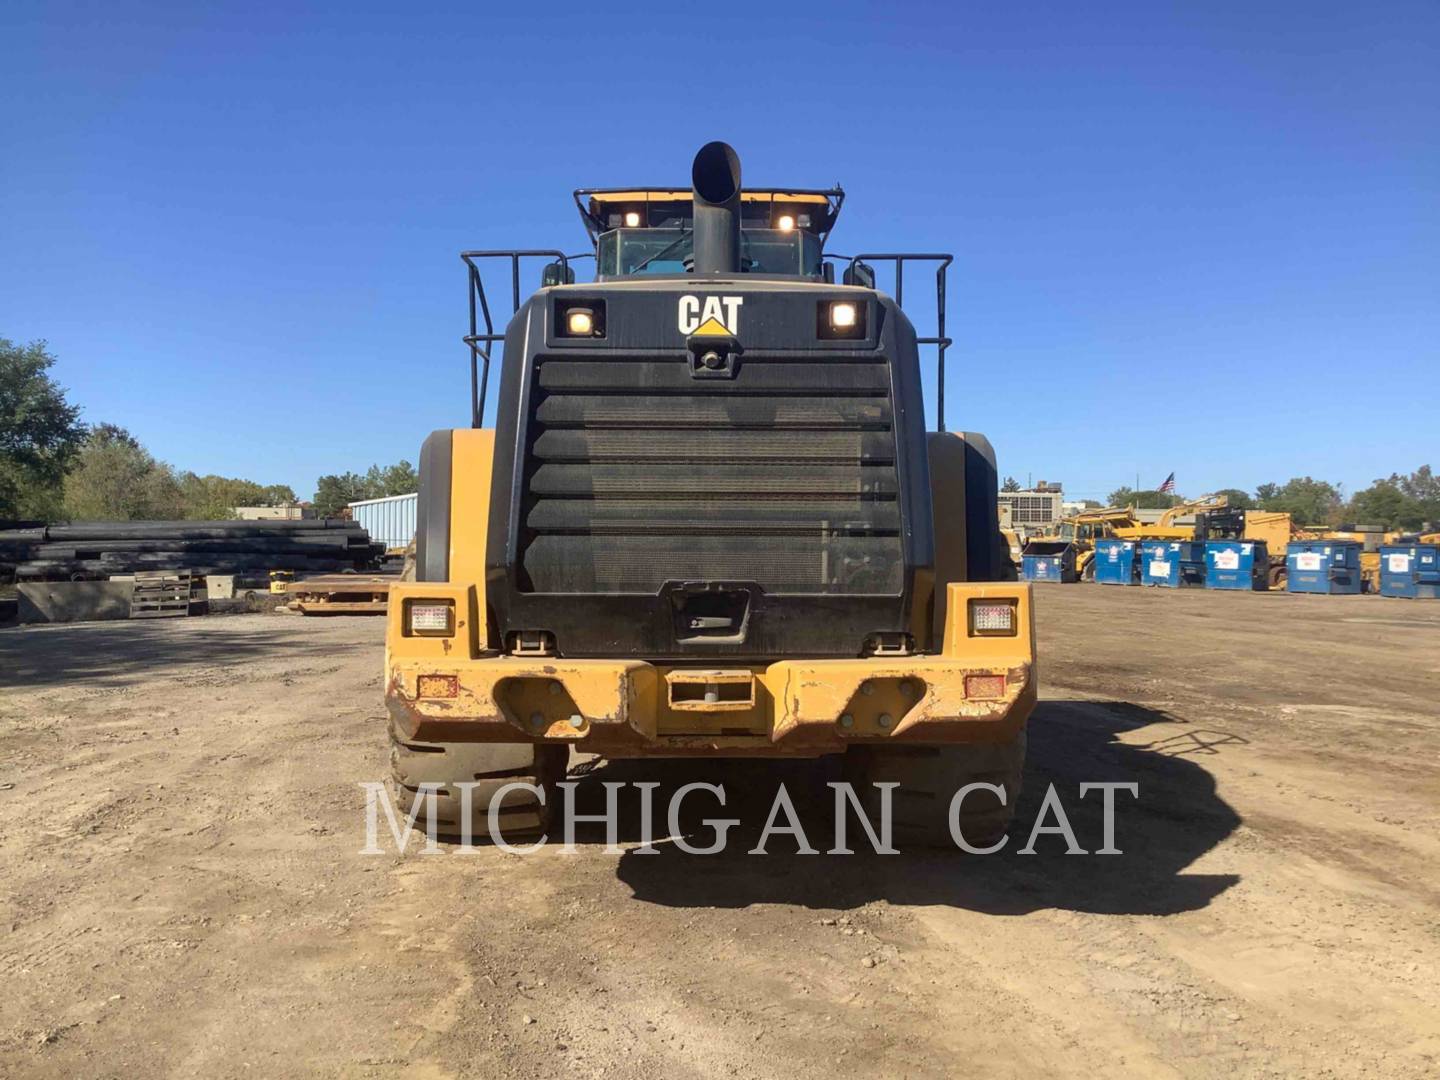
(638, 473)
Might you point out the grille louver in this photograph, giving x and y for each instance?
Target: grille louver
(637, 474)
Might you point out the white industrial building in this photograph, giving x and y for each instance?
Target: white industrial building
(1033, 509)
(389, 521)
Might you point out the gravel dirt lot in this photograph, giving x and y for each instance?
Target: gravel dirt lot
(181, 892)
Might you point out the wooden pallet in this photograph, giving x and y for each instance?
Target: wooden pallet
(160, 594)
(340, 594)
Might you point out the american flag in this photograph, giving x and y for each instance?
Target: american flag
(1168, 487)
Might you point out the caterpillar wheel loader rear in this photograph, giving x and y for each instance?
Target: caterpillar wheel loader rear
(709, 521)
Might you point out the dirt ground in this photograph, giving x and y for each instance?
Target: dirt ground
(181, 891)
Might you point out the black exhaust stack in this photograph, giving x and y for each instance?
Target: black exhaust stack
(715, 175)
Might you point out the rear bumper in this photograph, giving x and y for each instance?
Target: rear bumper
(979, 689)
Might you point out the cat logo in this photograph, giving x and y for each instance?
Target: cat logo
(715, 316)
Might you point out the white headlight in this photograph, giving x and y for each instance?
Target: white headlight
(579, 322)
(632, 219)
(843, 316)
(786, 223)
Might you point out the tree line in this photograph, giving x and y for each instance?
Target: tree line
(53, 467)
(334, 492)
(1399, 501)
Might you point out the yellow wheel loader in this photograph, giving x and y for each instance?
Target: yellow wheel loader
(1081, 531)
(708, 521)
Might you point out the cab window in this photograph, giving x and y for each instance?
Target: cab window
(623, 252)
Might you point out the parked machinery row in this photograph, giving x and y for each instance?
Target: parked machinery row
(1229, 549)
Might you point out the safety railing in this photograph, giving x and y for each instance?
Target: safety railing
(938, 339)
(481, 345)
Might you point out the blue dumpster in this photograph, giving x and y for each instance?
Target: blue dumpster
(1237, 564)
(1048, 560)
(1322, 566)
(1117, 562)
(1172, 564)
(1410, 570)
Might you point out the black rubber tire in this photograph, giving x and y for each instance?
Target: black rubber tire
(522, 816)
(929, 777)
(1088, 574)
(1276, 578)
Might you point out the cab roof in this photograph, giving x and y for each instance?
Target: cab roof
(601, 208)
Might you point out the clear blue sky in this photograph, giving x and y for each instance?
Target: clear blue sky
(1202, 237)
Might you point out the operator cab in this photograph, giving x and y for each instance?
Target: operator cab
(1069, 530)
(652, 231)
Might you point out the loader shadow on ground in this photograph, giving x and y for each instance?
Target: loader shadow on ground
(107, 654)
(1177, 818)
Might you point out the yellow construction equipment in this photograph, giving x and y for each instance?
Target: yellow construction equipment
(1084, 528)
(709, 521)
(1276, 528)
(1014, 547)
(1081, 530)
(1166, 528)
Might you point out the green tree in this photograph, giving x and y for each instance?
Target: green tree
(398, 479)
(335, 492)
(1011, 484)
(1422, 486)
(1237, 499)
(1143, 500)
(1383, 503)
(210, 498)
(1399, 502)
(114, 478)
(1157, 500)
(277, 495)
(40, 432)
(1307, 500)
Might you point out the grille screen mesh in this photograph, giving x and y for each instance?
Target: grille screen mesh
(638, 473)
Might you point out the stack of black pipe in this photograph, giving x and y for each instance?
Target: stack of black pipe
(99, 549)
(16, 538)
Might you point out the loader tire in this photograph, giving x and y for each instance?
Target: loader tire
(929, 777)
(522, 815)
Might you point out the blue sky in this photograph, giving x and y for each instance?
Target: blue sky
(1202, 237)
